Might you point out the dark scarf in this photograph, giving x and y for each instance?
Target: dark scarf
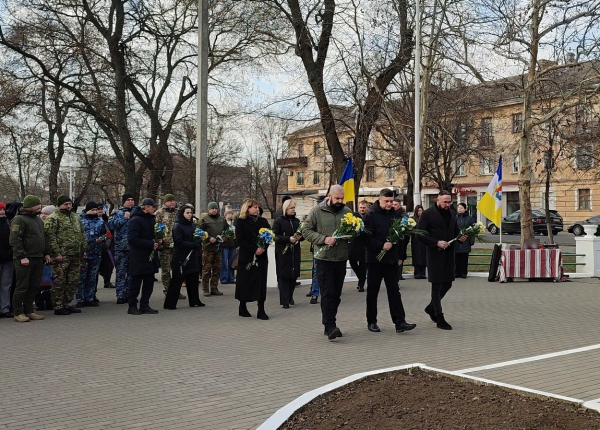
(445, 214)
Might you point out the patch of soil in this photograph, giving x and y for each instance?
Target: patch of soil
(419, 399)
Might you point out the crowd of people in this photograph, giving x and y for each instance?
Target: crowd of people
(55, 253)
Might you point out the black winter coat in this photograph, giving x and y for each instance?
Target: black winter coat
(356, 248)
(6, 254)
(288, 264)
(140, 238)
(440, 264)
(418, 250)
(377, 224)
(183, 243)
(251, 284)
(463, 220)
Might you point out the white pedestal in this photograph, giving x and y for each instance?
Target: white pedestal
(590, 246)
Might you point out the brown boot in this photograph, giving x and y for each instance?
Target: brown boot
(181, 296)
(34, 317)
(215, 292)
(21, 318)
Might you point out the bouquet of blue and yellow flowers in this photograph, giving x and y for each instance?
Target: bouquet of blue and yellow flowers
(264, 238)
(200, 236)
(474, 231)
(400, 228)
(350, 227)
(298, 233)
(160, 232)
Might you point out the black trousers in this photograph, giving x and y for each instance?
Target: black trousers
(400, 270)
(330, 276)
(387, 273)
(360, 268)
(438, 291)
(286, 290)
(420, 271)
(146, 283)
(191, 284)
(461, 261)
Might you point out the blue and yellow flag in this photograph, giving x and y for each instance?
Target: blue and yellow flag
(491, 202)
(347, 181)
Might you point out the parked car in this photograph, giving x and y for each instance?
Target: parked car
(577, 227)
(512, 223)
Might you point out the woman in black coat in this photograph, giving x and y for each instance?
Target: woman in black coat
(418, 249)
(462, 249)
(184, 248)
(288, 264)
(251, 284)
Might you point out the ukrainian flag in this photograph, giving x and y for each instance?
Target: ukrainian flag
(347, 181)
(491, 202)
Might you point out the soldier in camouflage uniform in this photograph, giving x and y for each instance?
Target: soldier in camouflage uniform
(66, 240)
(213, 224)
(167, 215)
(117, 223)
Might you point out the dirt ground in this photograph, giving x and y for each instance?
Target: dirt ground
(419, 399)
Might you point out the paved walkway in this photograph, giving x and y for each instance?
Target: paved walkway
(207, 368)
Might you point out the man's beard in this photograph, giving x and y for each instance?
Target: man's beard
(443, 208)
(337, 206)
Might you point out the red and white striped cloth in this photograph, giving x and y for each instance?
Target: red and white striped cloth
(530, 263)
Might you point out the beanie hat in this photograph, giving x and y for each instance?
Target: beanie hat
(169, 197)
(91, 205)
(127, 196)
(213, 205)
(31, 201)
(47, 210)
(284, 198)
(2, 205)
(63, 199)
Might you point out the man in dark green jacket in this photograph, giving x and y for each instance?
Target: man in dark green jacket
(29, 253)
(318, 229)
(213, 224)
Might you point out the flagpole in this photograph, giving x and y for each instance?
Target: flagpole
(500, 162)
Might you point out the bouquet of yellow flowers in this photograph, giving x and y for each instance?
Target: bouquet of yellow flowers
(472, 232)
(160, 231)
(264, 238)
(400, 228)
(350, 227)
(297, 234)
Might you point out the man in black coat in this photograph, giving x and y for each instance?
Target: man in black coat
(356, 251)
(140, 238)
(378, 222)
(440, 223)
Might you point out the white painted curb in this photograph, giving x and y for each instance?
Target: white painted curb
(279, 417)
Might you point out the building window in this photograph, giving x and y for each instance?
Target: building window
(487, 133)
(390, 173)
(517, 122)
(584, 156)
(300, 178)
(487, 166)
(460, 167)
(516, 164)
(316, 178)
(300, 150)
(370, 173)
(316, 148)
(349, 145)
(584, 201)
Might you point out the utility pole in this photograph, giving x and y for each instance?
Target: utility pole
(417, 175)
(202, 110)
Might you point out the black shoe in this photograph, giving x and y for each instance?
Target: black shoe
(404, 326)
(74, 310)
(92, 304)
(149, 311)
(361, 290)
(80, 305)
(62, 311)
(95, 300)
(109, 285)
(262, 316)
(463, 276)
(429, 311)
(402, 278)
(298, 283)
(441, 322)
(373, 327)
(243, 311)
(121, 301)
(169, 308)
(7, 315)
(313, 300)
(292, 302)
(308, 295)
(286, 306)
(133, 311)
(334, 333)
(198, 305)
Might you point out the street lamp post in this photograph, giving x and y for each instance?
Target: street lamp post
(417, 173)
(74, 165)
(202, 111)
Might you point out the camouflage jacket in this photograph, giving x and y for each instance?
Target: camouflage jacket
(167, 217)
(65, 234)
(94, 228)
(117, 223)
